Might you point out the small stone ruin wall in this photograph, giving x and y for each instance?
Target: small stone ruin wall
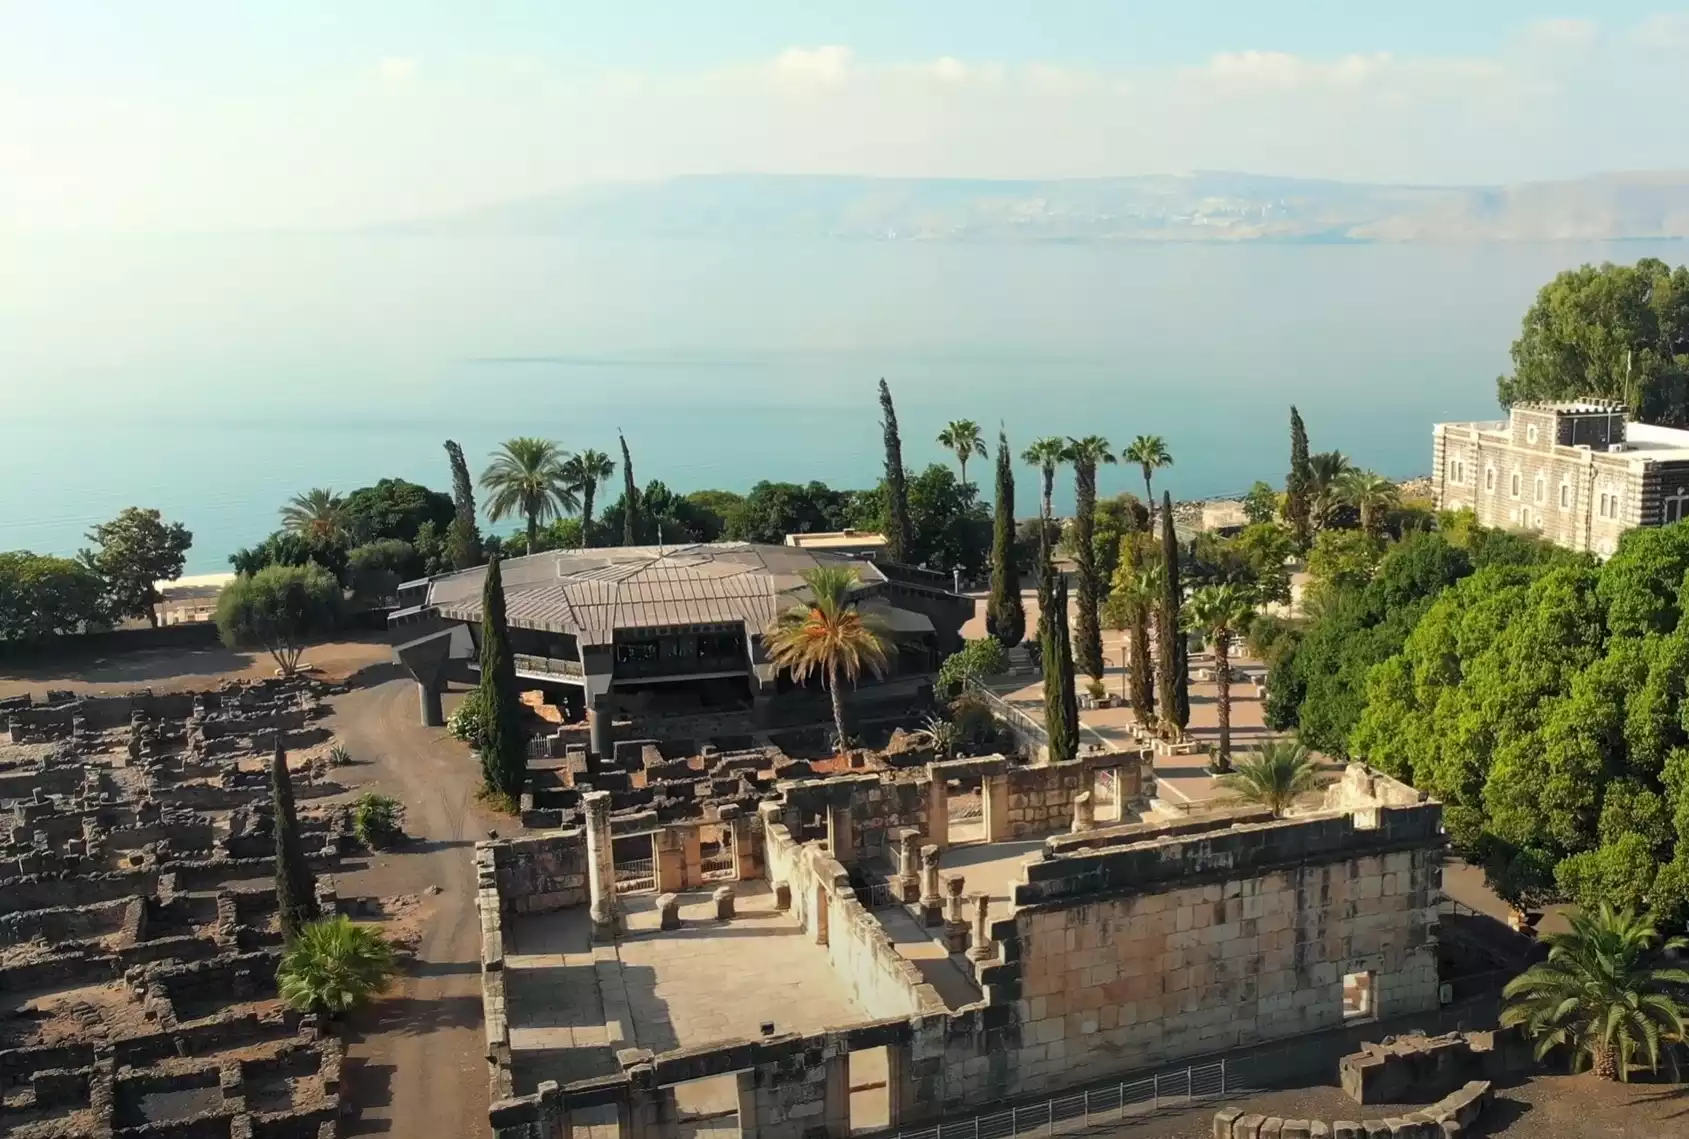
(1455, 1115)
(861, 954)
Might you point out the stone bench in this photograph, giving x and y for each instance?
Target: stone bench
(668, 911)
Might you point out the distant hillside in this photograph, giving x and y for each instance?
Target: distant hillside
(1196, 207)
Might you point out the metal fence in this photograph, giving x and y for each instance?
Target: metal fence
(717, 865)
(1078, 1112)
(636, 874)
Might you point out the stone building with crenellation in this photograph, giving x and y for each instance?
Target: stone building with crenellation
(1579, 473)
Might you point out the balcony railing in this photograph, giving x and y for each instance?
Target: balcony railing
(547, 666)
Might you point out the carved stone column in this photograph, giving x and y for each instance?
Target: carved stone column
(1084, 813)
(981, 947)
(601, 866)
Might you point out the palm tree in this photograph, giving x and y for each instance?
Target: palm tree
(1046, 454)
(830, 635)
(1221, 612)
(586, 472)
(1278, 772)
(317, 515)
(1326, 468)
(962, 436)
(1368, 492)
(527, 476)
(334, 966)
(1601, 994)
(1151, 454)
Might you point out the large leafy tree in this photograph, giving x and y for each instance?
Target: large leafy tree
(394, 508)
(1222, 613)
(1005, 614)
(280, 609)
(43, 597)
(1299, 483)
(829, 636)
(463, 536)
(587, 471)
(1173, 663)
(317, 515)
(1061, 700)
(296, 886)
(897, 527)
(526, 477)
(1085, 454)
(1274, 776)
(1605, 993)
(774, 509)
(951, 530)
(1612, 331)
(504, 753)
(134, 552)
(334, 966)
(1150, 453)
(963, 439)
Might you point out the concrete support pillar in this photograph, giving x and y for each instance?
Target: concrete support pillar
(601, 866)
(938, 810)
(994, 807)
(836, 1116)
(841, 835)
(599, 713)
(1084, 813)
(429, 696)
(747, 1089)
(980, 945)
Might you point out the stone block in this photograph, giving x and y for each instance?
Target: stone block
(1249, 1127)
(1374, 1129)
(723, 899)
(1295, 1129)
(1272, 1127)
(1223, 1121)
(668, 911)
(1317, 1129)
(1347, 1129)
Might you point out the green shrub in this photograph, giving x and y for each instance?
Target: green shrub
(375, 820)
(977, 658)
(469, 722)
(334, 966)
(339, 756)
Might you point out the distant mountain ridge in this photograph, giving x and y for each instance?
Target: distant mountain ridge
(1205, 206)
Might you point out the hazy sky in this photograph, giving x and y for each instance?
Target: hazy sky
(215, 114)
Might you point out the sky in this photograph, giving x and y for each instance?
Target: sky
(210, 115)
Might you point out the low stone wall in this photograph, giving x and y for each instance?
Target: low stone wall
(1455, 1115)
(861, 953)
(1406, 1069)
(539, 874)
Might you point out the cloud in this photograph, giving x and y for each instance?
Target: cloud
(1559, 99)
(395, 69)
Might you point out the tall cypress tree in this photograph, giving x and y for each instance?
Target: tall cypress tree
(1005, 615)
(504, 754)
(1085, 454)
(1299, 483)
(463, 536)
(1174, 664)
(899, 540)
(1061, 703)
(630, 498)
(296, 886)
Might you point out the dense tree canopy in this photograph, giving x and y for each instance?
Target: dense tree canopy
(394, 508)
(44, 597)
(132, 554)
(1544, 705)
(774, 509)
(1614, 331)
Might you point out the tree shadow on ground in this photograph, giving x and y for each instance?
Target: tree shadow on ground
(418, 1016)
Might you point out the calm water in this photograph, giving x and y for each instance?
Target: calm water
(213, 378)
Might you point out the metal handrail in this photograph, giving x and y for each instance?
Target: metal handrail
(1076, 1112)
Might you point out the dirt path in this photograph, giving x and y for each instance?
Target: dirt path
(420, 1068)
